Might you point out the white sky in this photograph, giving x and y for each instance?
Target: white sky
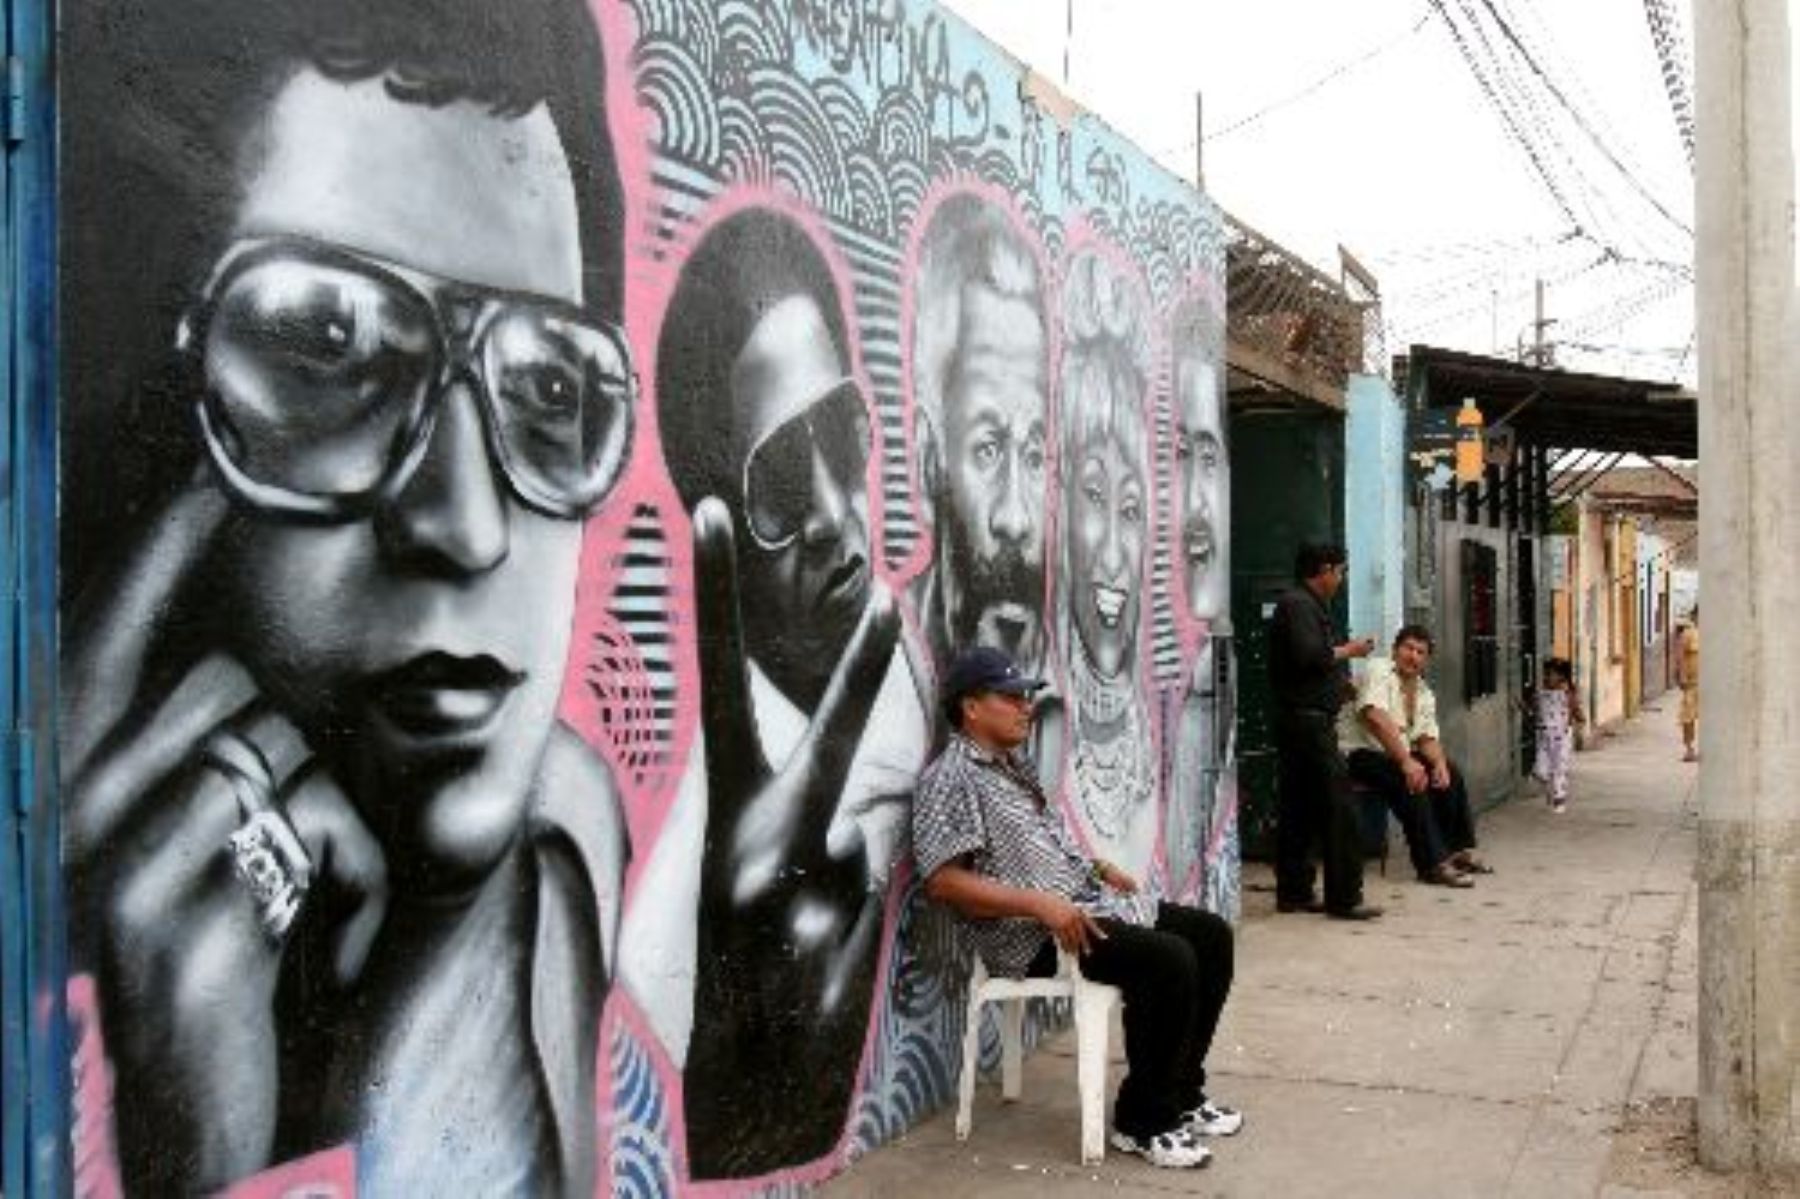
(1403, 160)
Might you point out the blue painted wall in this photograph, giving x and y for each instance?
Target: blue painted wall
(33, 1053)
(1375, 511)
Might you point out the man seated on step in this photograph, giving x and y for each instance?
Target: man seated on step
(1390, 737)
(992, 845)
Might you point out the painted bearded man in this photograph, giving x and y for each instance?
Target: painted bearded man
(980, 377)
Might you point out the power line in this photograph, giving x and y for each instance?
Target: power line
(1581, 121)
(1411, 325)
(1342, 68)
(1619, 347)
(1537, 49)
(1623, 308)
(1321, 81)
(1415, 253)
(1672, 56)
(1600, 220)
(1514, 90)
(1485, 80)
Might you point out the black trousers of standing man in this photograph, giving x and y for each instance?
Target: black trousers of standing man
(1313, 805)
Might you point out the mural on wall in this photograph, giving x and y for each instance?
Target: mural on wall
(979, 384)
(1200, 826)
(1105, 536)
(813, 718)
(524, 471)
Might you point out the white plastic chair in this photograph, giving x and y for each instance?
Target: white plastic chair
(1093, 1022)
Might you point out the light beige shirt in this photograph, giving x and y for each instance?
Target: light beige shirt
(1379, 687)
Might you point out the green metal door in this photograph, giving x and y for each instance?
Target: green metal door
(1287, 486)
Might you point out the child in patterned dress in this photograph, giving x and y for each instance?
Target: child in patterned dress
(1557, 709)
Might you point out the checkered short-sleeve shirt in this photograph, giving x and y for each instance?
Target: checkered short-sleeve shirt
(989, 809)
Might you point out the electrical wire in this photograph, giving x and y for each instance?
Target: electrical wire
(1320, 82)
(1672, 57)
(1581, 121)
(1485, 81)
(1493, 63)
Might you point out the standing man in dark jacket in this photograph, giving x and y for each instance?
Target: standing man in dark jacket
(1309, 678)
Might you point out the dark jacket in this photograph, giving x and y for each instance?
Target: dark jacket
(1304, 673)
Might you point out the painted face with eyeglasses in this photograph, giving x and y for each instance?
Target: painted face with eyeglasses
(802, 435)
(402, 391)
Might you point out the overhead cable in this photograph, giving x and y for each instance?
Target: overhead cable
(1581, 121)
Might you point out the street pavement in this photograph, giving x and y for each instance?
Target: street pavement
(1516, 1039)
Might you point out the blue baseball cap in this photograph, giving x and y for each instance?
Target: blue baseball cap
(984, 668)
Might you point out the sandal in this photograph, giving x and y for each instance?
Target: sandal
(1446, 876)
(1470, 864)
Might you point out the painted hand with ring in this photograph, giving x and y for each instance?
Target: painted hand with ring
(203, 831)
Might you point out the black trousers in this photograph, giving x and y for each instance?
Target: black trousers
(1174, 978)
(1313, 805)
(1437, 823)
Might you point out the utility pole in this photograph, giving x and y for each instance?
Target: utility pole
(1068, 41)
(1749, 800)
(1200, 141)
(1542, 351)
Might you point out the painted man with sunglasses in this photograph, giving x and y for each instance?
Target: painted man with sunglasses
(341, 877)
(771, 873)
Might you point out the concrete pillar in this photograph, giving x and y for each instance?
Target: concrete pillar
(1749, 331)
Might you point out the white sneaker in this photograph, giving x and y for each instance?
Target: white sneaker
(1213, 1120)
(1177, 1149)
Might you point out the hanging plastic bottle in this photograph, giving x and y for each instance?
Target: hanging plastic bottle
(1468, 443)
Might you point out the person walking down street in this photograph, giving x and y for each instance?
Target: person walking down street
(991, 845)
(1309, 678)
(1391, 738)
(1556, 708)
(1687, 677)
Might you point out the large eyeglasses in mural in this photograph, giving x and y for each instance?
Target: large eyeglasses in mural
(524, 469)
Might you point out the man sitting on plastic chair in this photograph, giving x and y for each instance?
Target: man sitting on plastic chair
(991, 845)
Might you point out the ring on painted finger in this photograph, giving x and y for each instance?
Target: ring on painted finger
(267, 855)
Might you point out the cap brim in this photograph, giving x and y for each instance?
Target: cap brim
(1019, 686)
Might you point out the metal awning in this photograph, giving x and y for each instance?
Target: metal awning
(1565, 410)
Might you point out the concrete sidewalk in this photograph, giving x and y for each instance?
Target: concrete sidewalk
(1531, 1037)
